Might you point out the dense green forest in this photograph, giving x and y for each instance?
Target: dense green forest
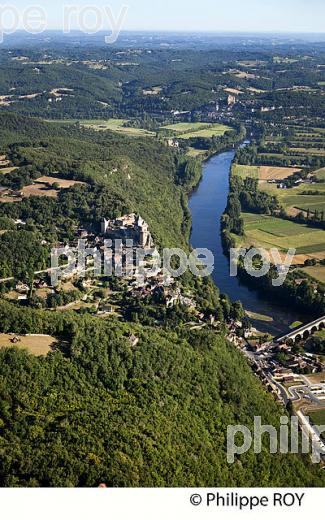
(101, 407)
(121, 174)
(99, 410)
(107, 81)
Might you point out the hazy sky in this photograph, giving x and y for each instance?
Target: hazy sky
(200, 15)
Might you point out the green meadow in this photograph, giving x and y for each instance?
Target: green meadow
(245, 171)
(114, 125)
(268, 232)
(181, 128)
(294, 198)
(193, 130)
(316, 271)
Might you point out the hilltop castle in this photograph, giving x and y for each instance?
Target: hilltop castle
(128, 227)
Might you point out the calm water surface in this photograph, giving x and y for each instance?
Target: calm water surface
(207, 205)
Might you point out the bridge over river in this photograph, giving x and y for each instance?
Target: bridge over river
(301, 332)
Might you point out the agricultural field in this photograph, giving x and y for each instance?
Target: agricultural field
(245, 171)
(39, 190)
(4, 171)
(317, 272)
(268, 173)
(62, 183)
(233, 91)
(193, 130)
(251, 63)
(320, 174)
(195, 152)
(213, 130)
(312, 203)
(44, 187)
(294, 198)
(36, 345)
(114, 125)
(10, 199)
(264, 173)
(300, 146)
(254, 90)
(316, 250)
(181, 128)
(154, 91)
(305, 151)
(268, 232)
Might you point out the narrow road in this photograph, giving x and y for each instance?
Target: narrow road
(313, 434)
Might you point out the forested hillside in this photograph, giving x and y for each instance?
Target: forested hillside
(154, 415)
(135, 174)
(102, 407)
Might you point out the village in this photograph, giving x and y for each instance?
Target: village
(83, 289)
(294, 375)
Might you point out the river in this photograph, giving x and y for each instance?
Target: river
(207, 205)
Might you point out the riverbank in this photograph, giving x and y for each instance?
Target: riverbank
(298, 291)
(207, 205)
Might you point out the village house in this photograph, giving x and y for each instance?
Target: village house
(21, 287)
(231, 100)
(133, 340)
(173, 143)
(281, 374)
(40, 284)
(4, 161)
(105, 308)
(175, 297)
(82, 233)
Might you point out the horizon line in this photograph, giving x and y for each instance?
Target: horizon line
(184, 31)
